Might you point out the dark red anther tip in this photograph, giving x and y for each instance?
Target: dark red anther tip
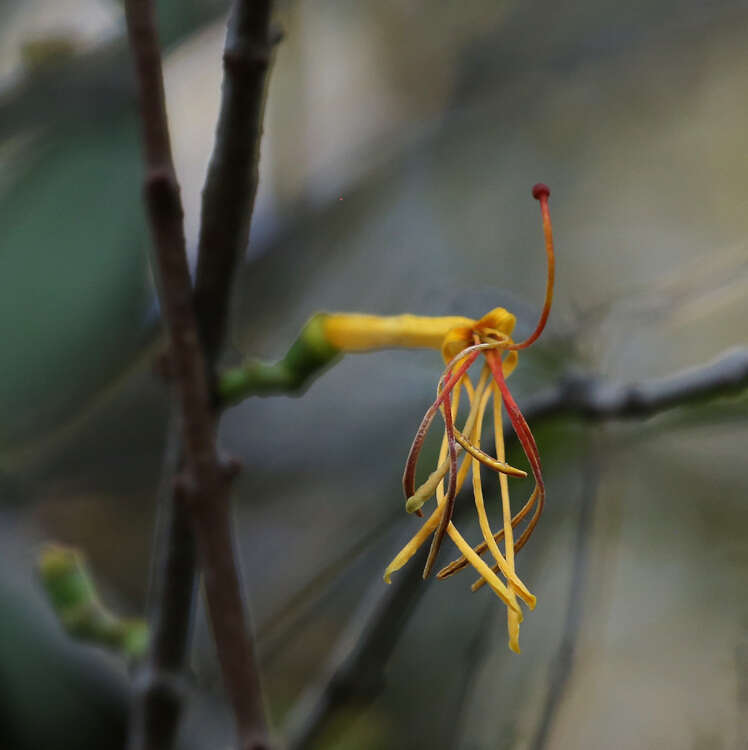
(540, 190)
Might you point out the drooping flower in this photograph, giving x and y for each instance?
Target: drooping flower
(461, 347)
(462, 341)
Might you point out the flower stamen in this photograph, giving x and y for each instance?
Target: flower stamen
(432, 484)
(409, 475)
(506, 510)
(460, 347)
(456, 565)
(420, 495)
(449, 503)
(530, 448)
(501, 561)
(541, 193)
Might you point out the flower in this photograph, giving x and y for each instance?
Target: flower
(326, 336)
(461, 346)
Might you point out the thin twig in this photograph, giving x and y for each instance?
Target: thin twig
(228, 201)
(159, 696)
(355, 672)
(474, 658)
(591, 398)
(234, 163)
(563, 663)
(204, 483)
(231, 183)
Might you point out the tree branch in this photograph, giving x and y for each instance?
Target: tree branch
(591, 398)
(231, 182)
(566, 654)
(354, 673)
(160, 691)
(228, 201)
(204, 482)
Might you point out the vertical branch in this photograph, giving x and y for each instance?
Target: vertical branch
(203, 483)
(564, 661)
(160, 690)
(354, 674)
(231, 182)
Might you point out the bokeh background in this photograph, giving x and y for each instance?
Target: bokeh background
(401, 141)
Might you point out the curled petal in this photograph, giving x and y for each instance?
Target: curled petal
(498, 320)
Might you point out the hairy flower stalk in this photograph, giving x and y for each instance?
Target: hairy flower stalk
(462, 342)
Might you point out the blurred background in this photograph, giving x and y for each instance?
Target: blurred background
(402, 138)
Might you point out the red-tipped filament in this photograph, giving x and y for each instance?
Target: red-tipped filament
(541, 193)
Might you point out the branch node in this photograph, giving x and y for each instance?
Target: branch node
(162, 192)
(244, 57)
(231, 469)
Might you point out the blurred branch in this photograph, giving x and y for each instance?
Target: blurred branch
(231, 182)
(157, 708)
(92, 84)
(228, 201)
(355, 671)
(475, 655)
(563, 663)
(204, 482)
(591, 398)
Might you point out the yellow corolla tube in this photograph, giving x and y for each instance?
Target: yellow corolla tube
(353, 332)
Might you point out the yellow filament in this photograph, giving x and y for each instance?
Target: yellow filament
(504, 566)
(423, 534)
(477, 399)
(487, 574)
(430, 525)
(427, 489)
(512, 621)
(475, 451)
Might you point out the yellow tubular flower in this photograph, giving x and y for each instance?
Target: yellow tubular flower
(363, 333)
(460, 346)
(461, 342)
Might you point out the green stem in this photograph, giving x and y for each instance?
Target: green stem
(307, 357)
(72, 593)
